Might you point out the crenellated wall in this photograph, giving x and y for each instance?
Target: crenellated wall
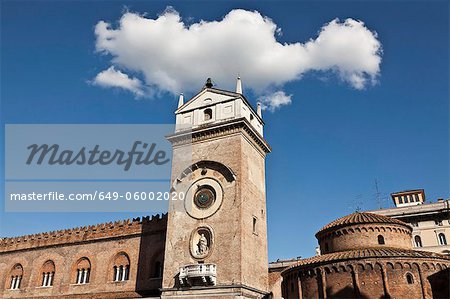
(83, 234)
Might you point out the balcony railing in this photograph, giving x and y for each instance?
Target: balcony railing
(194, 274)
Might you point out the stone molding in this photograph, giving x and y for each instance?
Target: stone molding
(219, 130)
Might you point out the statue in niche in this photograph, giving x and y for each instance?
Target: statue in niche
(202, 245)
(201, 242)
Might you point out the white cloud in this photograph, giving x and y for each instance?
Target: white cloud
(275, 100)
(348, 48)
(171, 56)
(115, 78)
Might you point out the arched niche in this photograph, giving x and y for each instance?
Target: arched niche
(201, 242)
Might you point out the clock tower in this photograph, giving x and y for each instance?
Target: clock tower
(216, 242)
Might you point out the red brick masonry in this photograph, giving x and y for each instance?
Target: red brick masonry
(368, 256)
(138, 242)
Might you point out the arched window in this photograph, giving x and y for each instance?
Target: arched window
(409, 278)
(48, 273)
(16, 277)
(121, 268)
(83, 271)
(442, 239)
(157, 272)
(417, 241)
(207, 114)
(381, 240)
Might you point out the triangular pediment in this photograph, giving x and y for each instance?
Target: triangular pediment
(207, 97)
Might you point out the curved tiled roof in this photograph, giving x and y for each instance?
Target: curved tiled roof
(360, 218)
(386, 252)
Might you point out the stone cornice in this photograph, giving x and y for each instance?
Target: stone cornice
(417, 210)
(217, 130)
(218, 287)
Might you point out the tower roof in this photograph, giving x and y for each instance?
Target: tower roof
(360, 218)
(212, 108)
(209, 91)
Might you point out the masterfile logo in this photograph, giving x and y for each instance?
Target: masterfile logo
(141, 153)
(89, 167)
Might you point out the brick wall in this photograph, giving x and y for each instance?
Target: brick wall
(142, 241)
(370, 278)
(364, 236)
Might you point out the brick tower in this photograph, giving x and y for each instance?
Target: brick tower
(216, 242)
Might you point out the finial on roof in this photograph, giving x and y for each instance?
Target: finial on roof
(208, 83)
(259, 109)
(239, 85)
(180, 100)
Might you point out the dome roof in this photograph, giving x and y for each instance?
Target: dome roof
(386, 252)
(360, 218)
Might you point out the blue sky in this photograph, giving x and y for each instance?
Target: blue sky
(329, 145)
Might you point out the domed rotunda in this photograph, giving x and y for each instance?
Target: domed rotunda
(365, 255)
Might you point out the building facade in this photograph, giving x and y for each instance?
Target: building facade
(275, 278)
(366, 255)
(120, 259)
(213, 244)
(430, 221)
(221, 249)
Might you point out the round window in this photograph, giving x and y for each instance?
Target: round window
(204, 197)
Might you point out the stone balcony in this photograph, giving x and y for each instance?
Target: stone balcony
(198, 274)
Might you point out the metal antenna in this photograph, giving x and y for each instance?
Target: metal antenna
(377, 194)
(357, 203)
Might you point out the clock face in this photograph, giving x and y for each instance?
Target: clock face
(204, 197)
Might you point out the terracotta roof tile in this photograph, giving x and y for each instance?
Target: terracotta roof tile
(387, 252)
(360, 218)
